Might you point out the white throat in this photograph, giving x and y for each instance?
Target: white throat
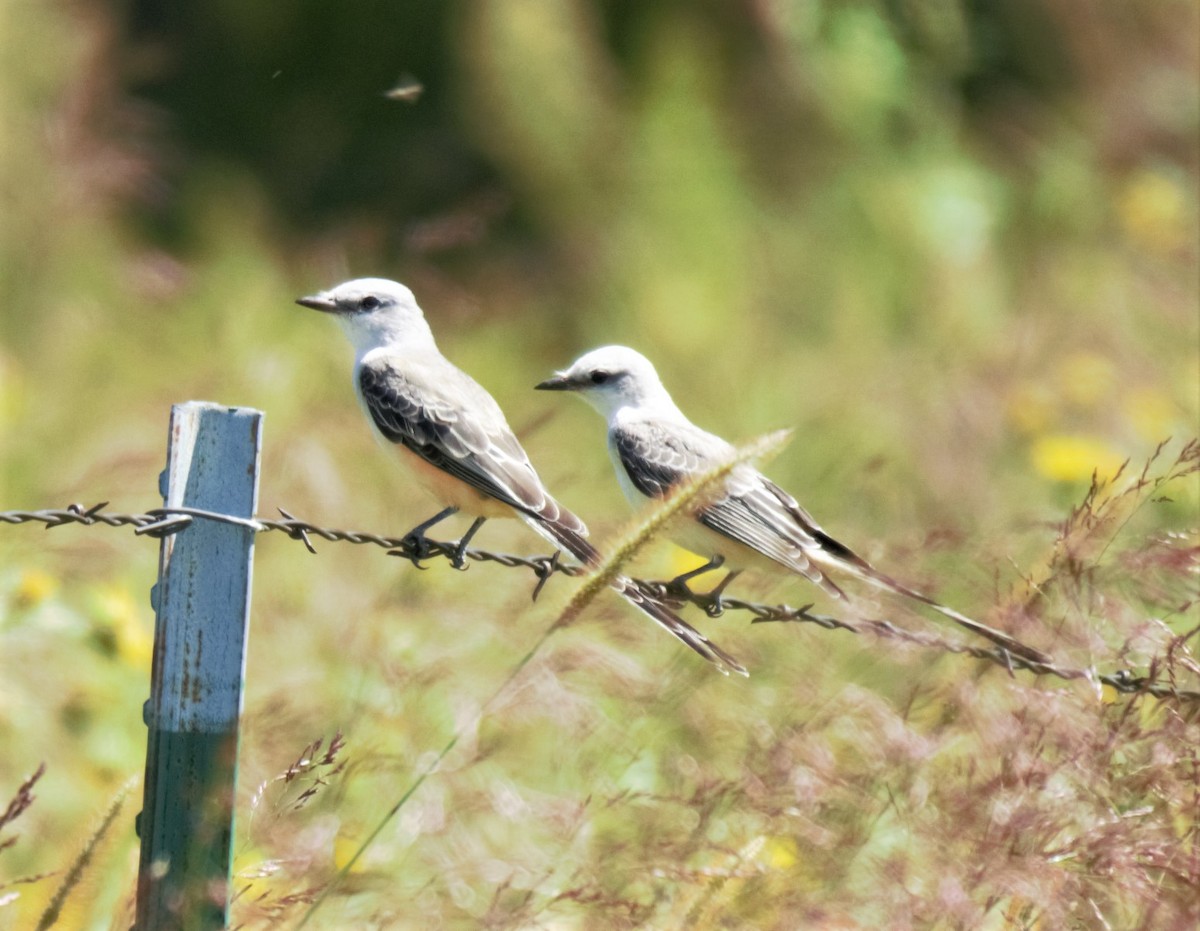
(400, 330)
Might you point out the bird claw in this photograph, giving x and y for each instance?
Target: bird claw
(678, 588)
(714, 601)
(458, 557)
(677, 592)
(415, 547)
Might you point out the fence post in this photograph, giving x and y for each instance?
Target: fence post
(201, 605)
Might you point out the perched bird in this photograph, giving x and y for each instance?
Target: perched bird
(454, 435)
(752, 520)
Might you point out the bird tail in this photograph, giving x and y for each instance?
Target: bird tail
(563, 534)
(673, 624)
(841, 557)
(830, 553)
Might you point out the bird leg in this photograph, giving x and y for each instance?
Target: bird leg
(460, 551)
(678, 587)
(416, 546)
(715, 604)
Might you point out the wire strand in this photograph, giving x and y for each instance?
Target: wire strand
(159, 522)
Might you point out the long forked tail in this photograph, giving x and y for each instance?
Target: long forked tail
(835, 554)
(1014, 646)
(581, 549)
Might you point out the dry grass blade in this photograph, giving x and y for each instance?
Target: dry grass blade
(79, 867)
(20, 802)
(1087, 534)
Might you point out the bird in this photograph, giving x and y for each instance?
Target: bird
(454, 436)
(749, 520)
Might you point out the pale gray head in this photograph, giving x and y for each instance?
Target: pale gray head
(612, 378)
(374, 312)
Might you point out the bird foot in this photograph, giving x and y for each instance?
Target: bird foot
(678, 587)
(416, 547)
(458, 557)
(713, 603)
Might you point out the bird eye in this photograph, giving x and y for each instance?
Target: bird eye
(599, 377)
(370, 302)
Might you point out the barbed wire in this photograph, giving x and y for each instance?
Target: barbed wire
(160, 522)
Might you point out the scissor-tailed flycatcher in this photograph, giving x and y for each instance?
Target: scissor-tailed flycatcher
(654, 447)
(454, 435)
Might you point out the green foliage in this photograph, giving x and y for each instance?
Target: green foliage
(953, 246)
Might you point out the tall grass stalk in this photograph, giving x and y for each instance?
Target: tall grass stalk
(79, 868)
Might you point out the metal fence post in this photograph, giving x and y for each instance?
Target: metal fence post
(201, 604)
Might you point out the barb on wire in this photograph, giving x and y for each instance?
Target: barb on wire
(164, 521)
(299, 533)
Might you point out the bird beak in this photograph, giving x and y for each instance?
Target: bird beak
(559, 382)
(318, 302)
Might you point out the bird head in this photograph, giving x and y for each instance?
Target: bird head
(373, 312)
(611, 378)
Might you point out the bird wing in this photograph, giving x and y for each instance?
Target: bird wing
(446, 418)
(657, 455)
(799, 524)
(752, 510)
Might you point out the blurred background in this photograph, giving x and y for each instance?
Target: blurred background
(953, 244)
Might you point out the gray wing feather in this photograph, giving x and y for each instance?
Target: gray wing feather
(657, 457)
(753, 511)
(427, 418)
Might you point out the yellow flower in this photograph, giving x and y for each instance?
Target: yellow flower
(1064, 458)
(780, 853)
(34, 587)
(121, 626)
(344, 849)
(1153, 211)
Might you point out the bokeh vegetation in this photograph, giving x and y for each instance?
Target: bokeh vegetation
(954, 244)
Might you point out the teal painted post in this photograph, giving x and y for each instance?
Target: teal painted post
(202, 604)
